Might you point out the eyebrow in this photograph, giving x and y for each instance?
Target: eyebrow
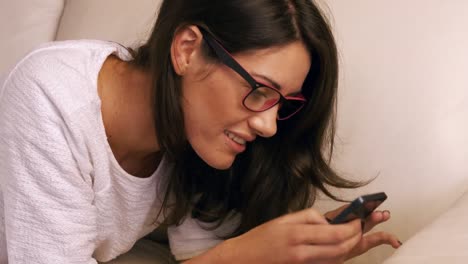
(273, 83)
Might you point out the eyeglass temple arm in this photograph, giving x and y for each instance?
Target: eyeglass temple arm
(225, 57)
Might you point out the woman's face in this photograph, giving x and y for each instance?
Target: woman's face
(218, 126)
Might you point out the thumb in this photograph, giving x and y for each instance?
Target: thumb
(332, 214)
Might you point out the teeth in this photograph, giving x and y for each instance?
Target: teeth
(235, 138)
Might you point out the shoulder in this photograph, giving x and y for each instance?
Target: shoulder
(65, 52)
(75, 57)
(63, 73)
(69, 50)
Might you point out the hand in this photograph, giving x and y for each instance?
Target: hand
(372, 240)
(301, 237)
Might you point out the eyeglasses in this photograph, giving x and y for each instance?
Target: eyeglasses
(262, 97)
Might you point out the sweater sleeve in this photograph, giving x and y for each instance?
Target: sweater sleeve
(48, 210)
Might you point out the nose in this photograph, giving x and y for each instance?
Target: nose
(264, 123)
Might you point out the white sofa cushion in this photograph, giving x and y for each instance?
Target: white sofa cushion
(146, 251)
(25, 24)
(123, 21)
(403, 106)
(443, 241)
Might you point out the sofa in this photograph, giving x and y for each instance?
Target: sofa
(402, 111)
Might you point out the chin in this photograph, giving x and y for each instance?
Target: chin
(214, 157)
(219, 163)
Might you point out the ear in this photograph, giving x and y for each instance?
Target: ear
(185, 45)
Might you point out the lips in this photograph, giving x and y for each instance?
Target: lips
(235, 138)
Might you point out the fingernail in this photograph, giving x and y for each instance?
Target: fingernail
(399, 242)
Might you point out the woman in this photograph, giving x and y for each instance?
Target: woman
(222, 118)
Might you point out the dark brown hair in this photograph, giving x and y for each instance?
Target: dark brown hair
(274, 175)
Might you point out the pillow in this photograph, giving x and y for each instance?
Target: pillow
(25, 24)
(122, 21)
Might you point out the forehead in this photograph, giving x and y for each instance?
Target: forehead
(286, 65)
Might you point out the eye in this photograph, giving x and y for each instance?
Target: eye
(259, 94)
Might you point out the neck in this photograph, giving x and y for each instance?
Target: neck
(127, 112)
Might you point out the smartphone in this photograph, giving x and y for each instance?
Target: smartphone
(361, 207)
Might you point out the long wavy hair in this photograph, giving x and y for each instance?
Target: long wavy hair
(274, 175)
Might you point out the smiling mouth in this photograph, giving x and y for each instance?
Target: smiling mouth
(235, 138)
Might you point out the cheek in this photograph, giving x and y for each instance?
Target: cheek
(209, 108)
(212, 103)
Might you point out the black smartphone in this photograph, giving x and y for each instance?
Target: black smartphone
(361, 207)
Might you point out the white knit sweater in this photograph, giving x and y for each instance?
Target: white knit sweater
(63, 196)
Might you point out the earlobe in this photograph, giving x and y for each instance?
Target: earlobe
(185, 44)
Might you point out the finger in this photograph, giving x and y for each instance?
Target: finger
(327, 253)
(376, 218)
(379, 216)
(373, 240)
(307, 216)
(325, 234)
